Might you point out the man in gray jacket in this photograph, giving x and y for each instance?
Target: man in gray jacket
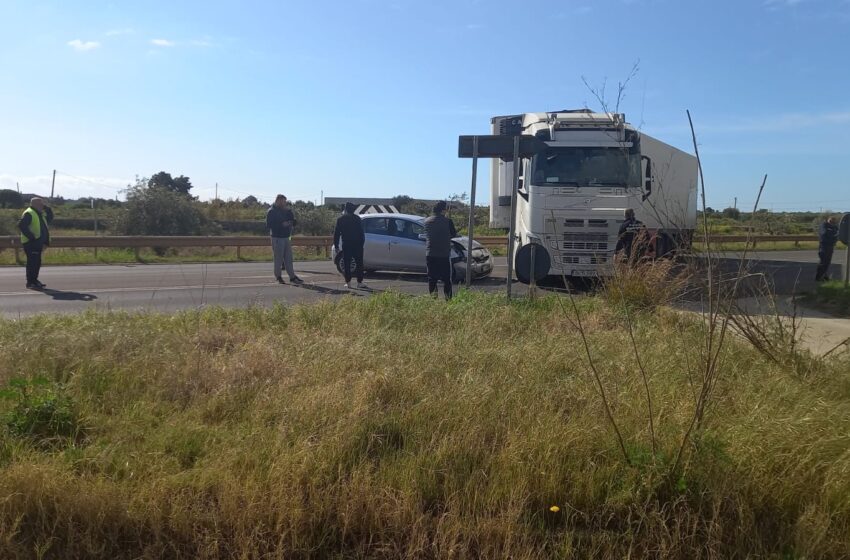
(280, 220)
(439, 232)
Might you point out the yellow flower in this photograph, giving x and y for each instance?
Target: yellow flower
(554, 509)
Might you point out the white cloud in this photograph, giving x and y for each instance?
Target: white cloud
(200, 43)
(114, 32)
(162, 43)
(81, 46)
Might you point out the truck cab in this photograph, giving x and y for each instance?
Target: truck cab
(572, 195)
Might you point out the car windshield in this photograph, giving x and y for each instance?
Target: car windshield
(586, 167)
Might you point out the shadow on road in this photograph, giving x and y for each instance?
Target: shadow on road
(68, 296)
(326, 291)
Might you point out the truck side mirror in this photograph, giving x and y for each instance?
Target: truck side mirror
(647, 183)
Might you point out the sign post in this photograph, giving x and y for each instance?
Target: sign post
(507, 148)
(471, 223)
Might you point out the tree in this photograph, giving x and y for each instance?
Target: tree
(163, 180)
(153, 210)
(10, 199)
(732, 213)
(250, 201)
(401, 202)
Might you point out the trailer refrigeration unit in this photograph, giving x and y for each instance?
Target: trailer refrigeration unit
(572, 195)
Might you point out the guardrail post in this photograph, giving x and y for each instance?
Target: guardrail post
(136, 253)
(239, 252)
(17, 255)
(327, 252)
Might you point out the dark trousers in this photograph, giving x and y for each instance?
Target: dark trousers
(439, 270)
(353, 254)
(825, 255)
(33, 252)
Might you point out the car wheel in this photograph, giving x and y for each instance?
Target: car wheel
(339, 264)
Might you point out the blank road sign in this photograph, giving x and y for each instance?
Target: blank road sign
(497, 146)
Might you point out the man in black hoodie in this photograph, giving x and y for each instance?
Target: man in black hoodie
(35, 237)
(439, 232)
(349, 229)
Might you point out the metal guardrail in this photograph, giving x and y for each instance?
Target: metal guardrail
(319, 242)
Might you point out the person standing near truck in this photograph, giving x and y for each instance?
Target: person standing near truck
(349, 229)
(35, 237)
(439, 232)
(280, 220)
(827, 237)
(630, 232)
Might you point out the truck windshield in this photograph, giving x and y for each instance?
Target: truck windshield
(586, 167)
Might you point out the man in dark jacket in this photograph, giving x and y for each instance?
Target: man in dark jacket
(35, 236)
(828, 237)
(439, 232)
(628, 238)
(349, 229)
(280, 220)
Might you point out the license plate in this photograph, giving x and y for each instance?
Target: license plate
(584, 273)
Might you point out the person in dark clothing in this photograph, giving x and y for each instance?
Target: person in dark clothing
(35, 237)
(280, 220)
(349, 229)
(828, 237)
(630, 232)
(439, 232)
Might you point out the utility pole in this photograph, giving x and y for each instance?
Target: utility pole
(52, 185)
(321, 198)
(94, 211)
(17, 184)
(735, 204)
(216, 191)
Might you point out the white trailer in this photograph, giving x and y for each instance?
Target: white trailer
(572, 196)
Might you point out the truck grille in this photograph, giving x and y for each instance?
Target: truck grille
(597, 223)
(573, 223)
(586, 241)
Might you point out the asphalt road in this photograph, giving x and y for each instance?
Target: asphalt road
(171, 287)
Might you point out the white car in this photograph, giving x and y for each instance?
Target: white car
(397, 242)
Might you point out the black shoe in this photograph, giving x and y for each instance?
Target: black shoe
(296, 280)
(32, 286)
(40, 284)
(280, 280)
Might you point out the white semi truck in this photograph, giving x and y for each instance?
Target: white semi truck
(572, 195)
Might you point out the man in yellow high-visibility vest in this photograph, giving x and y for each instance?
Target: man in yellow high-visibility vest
(35, 236)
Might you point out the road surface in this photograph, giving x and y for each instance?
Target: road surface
(171, 287)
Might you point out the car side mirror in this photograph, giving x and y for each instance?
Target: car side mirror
(423, 237)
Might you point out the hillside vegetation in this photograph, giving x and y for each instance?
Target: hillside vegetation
(396, 427)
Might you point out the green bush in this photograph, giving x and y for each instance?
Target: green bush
(40, 412)
(159, 211)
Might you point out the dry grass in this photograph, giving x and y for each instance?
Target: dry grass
(409, 428)
(645, 285)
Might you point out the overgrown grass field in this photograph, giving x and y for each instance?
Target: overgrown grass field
(397, 427)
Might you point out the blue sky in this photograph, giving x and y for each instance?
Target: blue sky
(367, 97)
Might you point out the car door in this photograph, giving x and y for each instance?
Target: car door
(407, 250)
(377, 247)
